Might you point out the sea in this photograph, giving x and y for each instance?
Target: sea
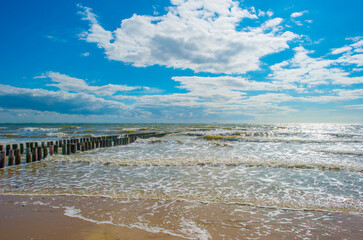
(203, 181)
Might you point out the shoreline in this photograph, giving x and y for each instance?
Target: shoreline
(21, 220)
(98, 218)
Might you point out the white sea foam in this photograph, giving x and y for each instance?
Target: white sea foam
(56, 134)
(39, 129)
(192, 230)
(283, 166)
(39, 203)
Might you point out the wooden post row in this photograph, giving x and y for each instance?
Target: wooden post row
(35, 152)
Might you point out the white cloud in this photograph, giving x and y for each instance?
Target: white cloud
(85, 54)
(61, 101)
(30, 116)
(216, 95)
(67, 83)
(338, 95)
(209, 84)
(316, 71)
(40, 77)
(262, 13)
(198, 35)
(341, 50)
(298, 14)
(358, 106)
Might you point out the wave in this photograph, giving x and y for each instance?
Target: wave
(9, 135)
(343, 135)
(39, 129)
(342, 152)
(56, 134)
(293, 200)
(151, 140)
(70, 127)
(286, 140)
(246, 161)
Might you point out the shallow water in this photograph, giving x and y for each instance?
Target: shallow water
(289, 167)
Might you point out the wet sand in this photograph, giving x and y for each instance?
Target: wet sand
(90, 218)
(26, 221)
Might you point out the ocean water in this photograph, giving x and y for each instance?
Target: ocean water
(265, 176)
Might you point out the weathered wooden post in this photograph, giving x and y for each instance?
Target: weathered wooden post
(73, 148)
(68, 148)
(11, 157)
(8, 147)
(64, 149)
(45, 152)
(21, 148)
(15, 146)
(2, 159)
(28, 155)
(51, 151)
(40, 155)
(17, 157)
(34, 155)
(83, 146)
(55, 149)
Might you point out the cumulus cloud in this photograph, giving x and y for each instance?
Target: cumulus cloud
(85, 54)
(336, 96)
(308, 70)
(197, 35)
(67, 83)
(61, 101)
(298, 14)
(216, 95)
(221, 83)
(341, 50)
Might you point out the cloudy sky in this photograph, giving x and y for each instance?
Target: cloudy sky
(181, 61)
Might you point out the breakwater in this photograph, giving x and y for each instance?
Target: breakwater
(15, 154)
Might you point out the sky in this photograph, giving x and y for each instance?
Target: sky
(181, 61)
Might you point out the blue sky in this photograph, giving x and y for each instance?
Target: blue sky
(181, 61)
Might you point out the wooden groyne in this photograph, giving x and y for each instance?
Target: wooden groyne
(15, 154)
